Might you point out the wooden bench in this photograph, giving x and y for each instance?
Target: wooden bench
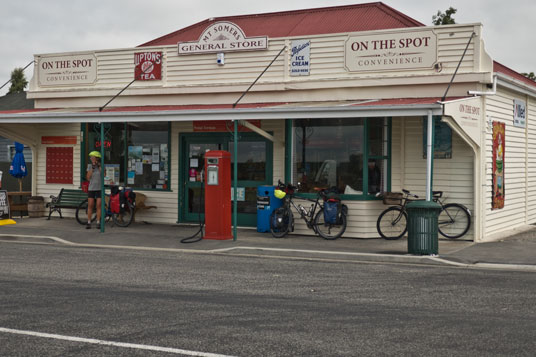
(68, 198)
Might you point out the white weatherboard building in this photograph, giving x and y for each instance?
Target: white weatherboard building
(348, 85)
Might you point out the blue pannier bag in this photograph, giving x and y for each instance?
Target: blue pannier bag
(331, 210)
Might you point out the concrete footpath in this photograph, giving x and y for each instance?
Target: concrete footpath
(517, 252)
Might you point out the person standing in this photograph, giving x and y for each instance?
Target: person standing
(94, 190)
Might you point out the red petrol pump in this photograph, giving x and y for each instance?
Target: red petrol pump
(218, 195)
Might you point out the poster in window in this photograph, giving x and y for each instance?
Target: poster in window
(442, 140)
(111, 174)
(131, 176)
(498, 165)
(135, 152)
(163, 152)
(156, 154)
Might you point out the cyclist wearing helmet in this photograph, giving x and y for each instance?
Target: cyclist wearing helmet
(94, 190)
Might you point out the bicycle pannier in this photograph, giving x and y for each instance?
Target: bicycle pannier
(279, 218)
(343, 212)
(114, 203)
(331, 211)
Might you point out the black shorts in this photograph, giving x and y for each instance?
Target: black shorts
(94, 194)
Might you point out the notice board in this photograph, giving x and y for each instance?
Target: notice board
(60, 165)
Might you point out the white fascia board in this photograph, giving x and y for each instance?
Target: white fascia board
(224, 114)
(515, 85)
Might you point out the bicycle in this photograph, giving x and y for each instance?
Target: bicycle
(453, 222)
(282, 218)
(123, 218)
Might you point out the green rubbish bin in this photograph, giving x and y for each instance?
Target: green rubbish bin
(423, 227)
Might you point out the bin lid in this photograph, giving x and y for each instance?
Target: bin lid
(423, 205)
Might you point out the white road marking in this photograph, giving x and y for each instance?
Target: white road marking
(111, 343)
(56, 239)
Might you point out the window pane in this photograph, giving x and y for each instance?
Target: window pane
(328, 153)
(114, 150)
(377, 137)
(148, 155)
(251, 160)
(376, 175)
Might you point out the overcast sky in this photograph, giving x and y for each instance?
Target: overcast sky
(31, 27)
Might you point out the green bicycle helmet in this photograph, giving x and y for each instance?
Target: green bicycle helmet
(95, 153)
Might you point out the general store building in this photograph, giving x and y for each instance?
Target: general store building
(348, 85)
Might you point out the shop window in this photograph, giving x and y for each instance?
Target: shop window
(350, 155)
(442, 139)
(251, 160)
(135, 154)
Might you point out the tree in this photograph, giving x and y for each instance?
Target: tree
(444, 18)
(18, 81)
(530, 75)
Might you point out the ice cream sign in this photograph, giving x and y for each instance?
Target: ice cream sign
(391, 51)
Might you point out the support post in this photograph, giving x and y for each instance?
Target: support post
(235, 181)
(103, 213)
(429, 155)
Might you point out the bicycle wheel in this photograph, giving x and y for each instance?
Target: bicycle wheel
(280, 222)
(330, 231)
(392, 223)
(81, 213)
(125, 217)
(454, 220)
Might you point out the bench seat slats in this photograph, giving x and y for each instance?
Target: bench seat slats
(68, 198)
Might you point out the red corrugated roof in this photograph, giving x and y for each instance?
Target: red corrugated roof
(497, 67)
(326, 20)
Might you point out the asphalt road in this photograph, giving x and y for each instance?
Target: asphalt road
(197, 304)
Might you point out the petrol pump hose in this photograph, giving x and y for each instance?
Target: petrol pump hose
(192, 238)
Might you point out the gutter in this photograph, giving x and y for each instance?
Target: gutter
(493, 89)
(516, 85)
(224, 114)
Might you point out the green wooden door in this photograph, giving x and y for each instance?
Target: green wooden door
(255, 162)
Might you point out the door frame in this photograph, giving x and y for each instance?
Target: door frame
(225, 138)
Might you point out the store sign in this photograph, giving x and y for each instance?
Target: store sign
(467, 113)
(220, 125)
(391, 51)
(4, 205)
(520, 113)
(300, 58)
(67, 70)
(51, 140)
(223, 37)
(107, 144)
(148, 66)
